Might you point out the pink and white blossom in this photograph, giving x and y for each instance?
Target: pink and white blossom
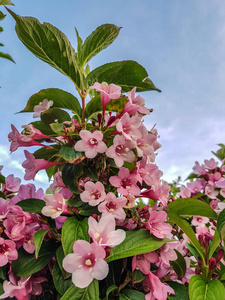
(93, 193)
(135, 104)
(143, 262)
(86, 263)
(157, 224)
(55, 205)
(128, 126)
(113, 205)
(7, 251)
(42, 107)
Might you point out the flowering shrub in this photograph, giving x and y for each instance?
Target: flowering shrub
(91, 235)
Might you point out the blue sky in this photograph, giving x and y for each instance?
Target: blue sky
(181, 44)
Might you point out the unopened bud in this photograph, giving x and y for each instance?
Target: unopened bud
(212, 263)
(220, 255)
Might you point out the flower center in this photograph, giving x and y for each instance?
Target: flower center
(95, 195)
(93, 142)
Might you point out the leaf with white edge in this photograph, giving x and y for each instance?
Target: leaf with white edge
(73, 230)
(179, 265)
(221, 224)
(60, 98)
(49, 44)
(98, 40)
(192, 207)
(27, 264)
(181, 291)
(214, 244)
(127, 74)
(38, 240)
(136, 242)
(31, 205)
(186, 228)
(131, 295)
(200, 290)
(91, 292)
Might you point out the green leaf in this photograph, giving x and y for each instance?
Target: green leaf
(45, 129)
(131, 295)
(130, 247)
(31, 205)
(70, 176)
(91, 173)
(116, 105)
(27, 264)
(221, 224)
(137, 276)
(221, 152)
(60, 98)
(214, 244)
(55, 115)
(47, 154)
(7, 56)
(6, 2)
(68, 152)
(186, 227)
(192, 207)
(89, 293)
(61, 285)
(179, 265)
(49, 44)
(84, 209)
(74, 230)
(38, 239)
(181, 291)
(98, 40)
(2, 179)
(93, 107)
(127, 74)
(2, 16)
(200, 290)
(111, 289)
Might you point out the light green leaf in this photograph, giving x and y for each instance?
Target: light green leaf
(73, 230)
(7, 56)
(2, 16)
(200, 290)
(192, 207)
(27, 264)
(89, 293)
(221, 152)
(127, 74)
(68, 152)
(49, 44)
(60, 98)
(186, 227)
(31, 205)
(98, 40)
(221, 224)
(136, 242)
(214, 244)
(6, 2)
(38, 239)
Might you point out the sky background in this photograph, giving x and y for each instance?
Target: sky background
(181, 44)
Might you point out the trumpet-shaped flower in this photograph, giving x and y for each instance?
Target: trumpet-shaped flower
(103, 232)
(114, 206)
(91, 143)
(94, 193)
(156, 224)
(128, 126)
(135, 104)
(55, 205)
(7, 251)
(143, 261)
(86, 263)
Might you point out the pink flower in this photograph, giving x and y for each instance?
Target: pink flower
(114, 206)
(86, 263)
(55, 205)
(35, 133)
(128, 126)
(125, 182)
(7, 251)
(199, 221)
(156, 224)
(199, 169)
(210, 164)
(184, 192)
(94, 193)
(135, 104)
(103, 232)
(167, 252)
(4, 207)
(145, 144)
(196, 186)
(27, 191)
(210, 191)
(108, 92)
(59, 185)
(121, 151)
(158, 290)
(33, 165)
(91, 143)
(42, 107)
(143, 261)
(12, 184)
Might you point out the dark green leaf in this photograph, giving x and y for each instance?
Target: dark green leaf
(55, 115)
(31, 205)
(38, 239)
(136, 242)
(61, 285)
(3, 273)
(70, 175)
(93, 107)
(181, 291)
(199, 289)
(47, 154)
(60, 98)
(127, 74)
(73, 230)
(45, 129)
(2, 16)
(89, 293)
(2, 179)
(49, 44)
(131, 295)
(91, 173)
(221, 224)
(111, 289)
(214, 244)
(68, 152)
(179, 265)
(116, 105)
(7, 56)
(192, 207)
(6, 2)
(84, 209)
(98, 40)
(27, 264)
(137, 275)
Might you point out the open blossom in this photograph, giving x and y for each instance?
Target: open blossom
(91, 143)
(27, 191)
(103, 232)
(7, 251)
(167, 252)
(86, 263)
(34, 133)
(55, 205)
(128, 126)
(199, 169)
(12, 184)
(93, 193)
(59, 185)
(199, 221)
(135, 104)
(113, 205)
(143, 261)
(5, 205)
(121, 151)
(210, 164)
(33, 165)
(156, 224)
(42, 107)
